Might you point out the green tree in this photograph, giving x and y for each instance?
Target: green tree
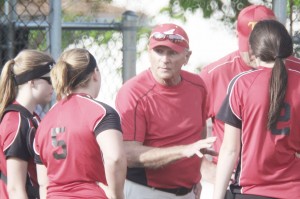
(228, 12)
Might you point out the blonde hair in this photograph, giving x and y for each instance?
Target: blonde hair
(26, 60)
(66, 75)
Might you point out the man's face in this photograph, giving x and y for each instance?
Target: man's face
(166, 64)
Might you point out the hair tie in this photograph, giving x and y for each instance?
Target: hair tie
(12, 74)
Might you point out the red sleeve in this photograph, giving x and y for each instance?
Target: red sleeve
(209, 87)
(230, 111)
(131, 110)
(235, 101)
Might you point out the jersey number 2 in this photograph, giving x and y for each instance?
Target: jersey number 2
(58, 143)
(283, 118)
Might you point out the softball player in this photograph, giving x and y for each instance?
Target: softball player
(262, 130)
(25, 83)
(217, 76)
(79, 142)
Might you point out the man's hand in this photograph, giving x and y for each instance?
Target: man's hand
(209, 152)
(195, 148)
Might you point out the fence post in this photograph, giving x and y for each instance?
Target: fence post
(279, 8)
(10, 11)
(129, 30)
(55, 28)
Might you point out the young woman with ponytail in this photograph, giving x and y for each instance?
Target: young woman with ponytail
(25, 83)
(262, 127)
(79, 142)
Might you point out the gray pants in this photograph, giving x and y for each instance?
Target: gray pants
(135, 191)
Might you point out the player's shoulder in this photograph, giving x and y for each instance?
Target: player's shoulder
(192, 78)
(222, 63)
(143, 77)
(293, 63)
(16, 113)
(89, 103)
(108, 108)
(138, 85)
(11, 119)
(246, 77)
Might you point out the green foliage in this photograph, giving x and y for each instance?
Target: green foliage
(71, 36)
(296, 2)
(177, 8)
(37, 40)
(68, 37)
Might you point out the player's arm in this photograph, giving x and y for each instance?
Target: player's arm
(16, 178)
(111, 144)
(229, 153)
(139, 155)
(208, 168)
(42, 180)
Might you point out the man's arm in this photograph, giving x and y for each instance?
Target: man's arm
(208, 168)
(139, 155)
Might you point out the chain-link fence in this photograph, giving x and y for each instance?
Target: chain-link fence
(40, 24)
(21, 25)
(55, 25)
(106, 46)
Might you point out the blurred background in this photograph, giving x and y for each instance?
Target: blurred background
(116, 31)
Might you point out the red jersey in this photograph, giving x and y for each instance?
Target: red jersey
(66, 144)
(160, 116)
(217, 77)
(268, 164)
(17, 129)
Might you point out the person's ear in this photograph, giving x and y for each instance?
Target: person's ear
(95, 75)
(187, 56)
(31, 83)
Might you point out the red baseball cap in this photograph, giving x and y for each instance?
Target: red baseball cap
(169, 29)
(247, 19)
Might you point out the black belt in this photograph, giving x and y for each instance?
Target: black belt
(177, 191)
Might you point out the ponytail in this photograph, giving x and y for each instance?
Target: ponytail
(8, 87)
(73, 70)
(278, 84)
(59, 76)
(271, 42)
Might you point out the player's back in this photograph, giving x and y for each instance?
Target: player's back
(67, 146)
(269, 163)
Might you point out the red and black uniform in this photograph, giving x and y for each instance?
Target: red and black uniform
(66, 144)
(268, 165)
(217, 77)
(17, 130)
(160, 116)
